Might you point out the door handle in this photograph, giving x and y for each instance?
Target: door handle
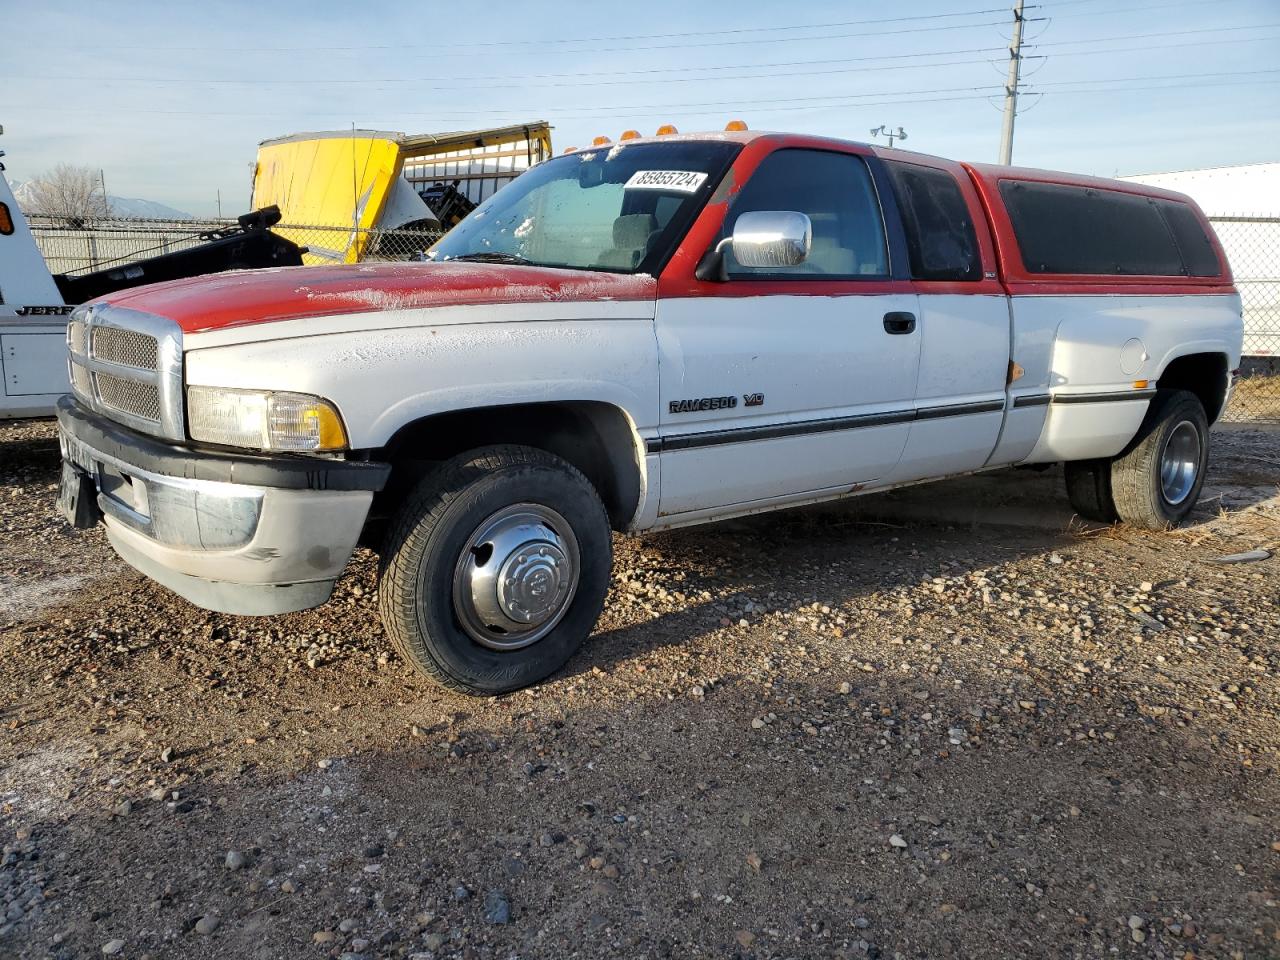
(899, 322)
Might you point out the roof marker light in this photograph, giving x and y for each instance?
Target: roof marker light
(630, 135)
(735, 125)
(570, 149)
(666, 130)
(600, 141)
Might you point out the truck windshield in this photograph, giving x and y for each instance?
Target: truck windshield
(620, 208)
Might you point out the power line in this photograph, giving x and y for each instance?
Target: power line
(610, 83)
(520, 80)
(1114, 10)
(1169, 33)
(544, 42)
(764, 105)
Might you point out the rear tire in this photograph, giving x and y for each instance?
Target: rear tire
(1156, 482)
(495, 569)
(1089, 489)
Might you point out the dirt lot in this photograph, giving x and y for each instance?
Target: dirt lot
(946, 722)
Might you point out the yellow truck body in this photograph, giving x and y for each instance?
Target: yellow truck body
(337, 189)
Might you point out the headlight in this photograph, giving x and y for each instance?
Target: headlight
(264, 420)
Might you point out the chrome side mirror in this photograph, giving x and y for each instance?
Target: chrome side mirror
(761, 238)
(772, 238)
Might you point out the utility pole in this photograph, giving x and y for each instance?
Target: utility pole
(1011, 87)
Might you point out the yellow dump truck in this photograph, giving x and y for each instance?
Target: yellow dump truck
(340, 191)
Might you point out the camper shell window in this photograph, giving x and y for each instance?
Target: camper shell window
(1064, 229)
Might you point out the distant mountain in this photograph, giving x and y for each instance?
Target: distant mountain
(131, 207)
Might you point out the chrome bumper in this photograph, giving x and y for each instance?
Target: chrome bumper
(244, 548)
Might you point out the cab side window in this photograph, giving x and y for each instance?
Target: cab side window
(941, 241)
(836, 192)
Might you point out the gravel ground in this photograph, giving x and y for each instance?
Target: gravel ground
(942, 722)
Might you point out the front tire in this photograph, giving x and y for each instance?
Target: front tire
(495, 569)
(1156, 482)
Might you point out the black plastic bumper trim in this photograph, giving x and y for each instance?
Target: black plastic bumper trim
(170, 460)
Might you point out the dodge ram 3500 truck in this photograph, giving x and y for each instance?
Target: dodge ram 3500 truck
(638, 336)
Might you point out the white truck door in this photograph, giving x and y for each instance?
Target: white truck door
(25, 281)
(797, 382)
(964, 322)
(32, 319)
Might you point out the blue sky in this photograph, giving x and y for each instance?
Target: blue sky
(170, 99)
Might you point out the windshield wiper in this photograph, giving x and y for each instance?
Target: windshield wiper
(491, 257)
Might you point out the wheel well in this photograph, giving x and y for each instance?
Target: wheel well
(597, 438)
(1204, 374)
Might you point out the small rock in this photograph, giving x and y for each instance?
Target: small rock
(754, 861)
(434, 941)
(611, 871)
(347, 925)
(1136, 922)
(897, 841)
(1139, 936)
(373, 851)
(460, 892)
(497, 909)
(288, 887)
(323, 936)
(1248, 556)
(745, 939)
(757, 723)
(846, 687)
(165, 756)
(359, 945)
(112, 947)
(207, 924)
(235, 860)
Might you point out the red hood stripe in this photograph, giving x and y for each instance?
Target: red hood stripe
(289, 293)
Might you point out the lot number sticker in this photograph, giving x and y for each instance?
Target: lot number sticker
(677, 181)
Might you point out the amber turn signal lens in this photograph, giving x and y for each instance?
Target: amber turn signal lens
(735, 125)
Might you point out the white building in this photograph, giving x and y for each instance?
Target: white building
(1244, 204)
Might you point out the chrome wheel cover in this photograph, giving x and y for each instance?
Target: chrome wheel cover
(516, 576)
(1180, 463)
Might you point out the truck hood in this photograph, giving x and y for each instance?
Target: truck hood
(242, 297)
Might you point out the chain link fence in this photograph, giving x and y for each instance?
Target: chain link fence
(86, 246)
(1252, 245)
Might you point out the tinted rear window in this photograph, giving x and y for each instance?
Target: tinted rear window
(1197, 251)
(941, 241)
(1083, 230)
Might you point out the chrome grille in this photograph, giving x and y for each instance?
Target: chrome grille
(127, 347)
(133, 397)
(76, 338)
(127, 365)
(80, 381)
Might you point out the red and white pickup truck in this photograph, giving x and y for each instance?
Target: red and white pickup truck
(639, 336)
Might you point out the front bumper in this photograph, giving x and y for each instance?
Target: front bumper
(230, 532)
